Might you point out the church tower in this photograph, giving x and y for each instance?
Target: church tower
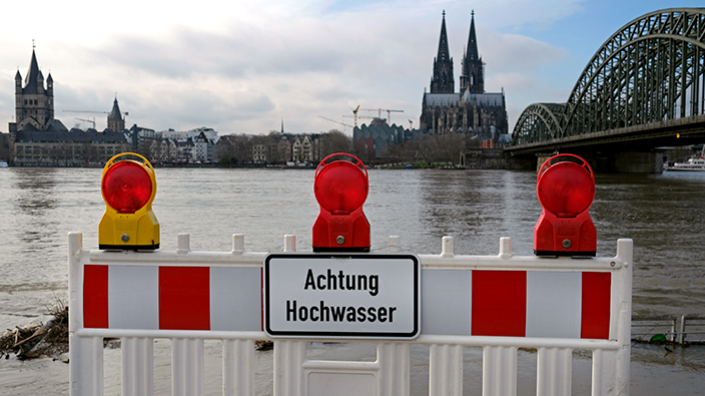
(115, 120)
(472, 75)
(443, 80)
(34, 104)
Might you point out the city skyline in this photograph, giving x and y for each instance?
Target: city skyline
(244, 68)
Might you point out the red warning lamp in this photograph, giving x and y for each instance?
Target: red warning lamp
(341, 186)
(566, 189)
(128, 187)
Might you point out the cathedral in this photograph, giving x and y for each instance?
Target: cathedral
(470, 110)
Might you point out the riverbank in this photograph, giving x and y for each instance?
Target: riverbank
(38, 340)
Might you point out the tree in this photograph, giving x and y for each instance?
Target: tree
(427, 148)
(334, 142)
(234, 149)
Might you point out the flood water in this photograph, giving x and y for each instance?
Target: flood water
(663, 214)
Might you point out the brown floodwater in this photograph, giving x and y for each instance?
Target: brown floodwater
(663, 214)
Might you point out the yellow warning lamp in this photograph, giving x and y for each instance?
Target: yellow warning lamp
(128, 187)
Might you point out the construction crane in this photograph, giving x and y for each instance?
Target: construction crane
(124, 118)
(86, 120)
(92, 111)
(337, 122)
(357, 116)
(389, 111)
(86, 111)
(355, 113)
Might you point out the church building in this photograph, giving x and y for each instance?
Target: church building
(34, 104)
(470, 110)
(38, 139)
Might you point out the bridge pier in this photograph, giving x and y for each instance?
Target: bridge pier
(623, 162)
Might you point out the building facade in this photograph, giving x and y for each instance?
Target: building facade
(304, 149)
(372, 140)
(470, 110)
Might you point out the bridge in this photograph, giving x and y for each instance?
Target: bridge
(644, 88)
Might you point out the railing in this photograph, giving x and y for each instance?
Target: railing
(653, 325)
(667, 325)
(565, 311)
(695, 321)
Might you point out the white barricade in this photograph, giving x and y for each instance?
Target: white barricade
(500, 303)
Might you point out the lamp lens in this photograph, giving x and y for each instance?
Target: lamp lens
(341, 187)
(127, 187)
(566, 189)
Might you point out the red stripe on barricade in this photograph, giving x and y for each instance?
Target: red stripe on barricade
(95, 296)
(595, 321)
(184, 298)
(499, 303)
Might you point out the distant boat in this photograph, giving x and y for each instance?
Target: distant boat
(3, 164)
(692, 165)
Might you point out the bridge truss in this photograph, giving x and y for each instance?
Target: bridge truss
(648, 75)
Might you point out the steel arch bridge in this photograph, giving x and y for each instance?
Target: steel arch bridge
(645, 86)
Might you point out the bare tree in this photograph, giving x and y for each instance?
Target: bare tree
(234, 150)
(427, 148)
(335, 142)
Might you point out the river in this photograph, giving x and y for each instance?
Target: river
(663, 214)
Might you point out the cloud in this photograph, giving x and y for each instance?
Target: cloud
(243, 66)
(513, 52)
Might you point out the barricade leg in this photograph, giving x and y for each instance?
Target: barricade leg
(625, 250)
(137, 366)
(86, 366)
(238, 368)
(499, 371)
(394, 369)
(446, 370)
(603, 372)
(85, 353)
(289, 357)
(554, 371)
(186, 367)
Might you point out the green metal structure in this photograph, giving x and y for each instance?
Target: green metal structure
(646, 83)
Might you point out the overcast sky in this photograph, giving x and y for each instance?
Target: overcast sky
(242, 66)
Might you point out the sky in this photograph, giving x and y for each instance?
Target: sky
(244, 66)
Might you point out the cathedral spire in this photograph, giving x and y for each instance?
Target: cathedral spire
(472, 52)
(443, 53)
(442, 81)
(472, 75)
